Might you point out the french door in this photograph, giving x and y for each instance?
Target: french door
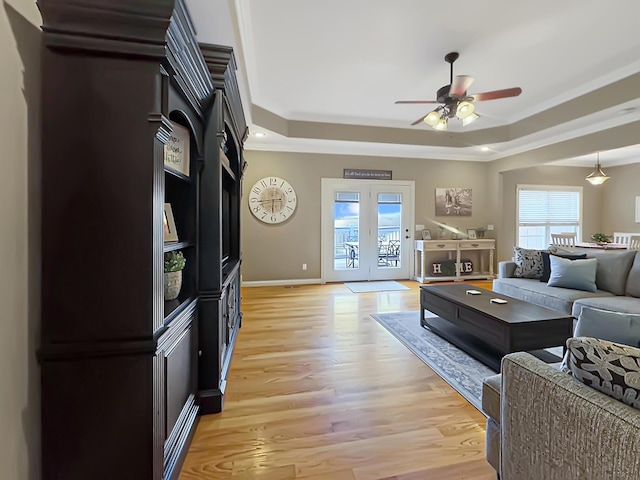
(367, 229)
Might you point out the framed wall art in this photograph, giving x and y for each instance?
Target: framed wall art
(471, 232)
(169, 225)
(426, 234)
(453, 202)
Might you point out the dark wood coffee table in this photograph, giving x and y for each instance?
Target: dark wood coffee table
(489, 331)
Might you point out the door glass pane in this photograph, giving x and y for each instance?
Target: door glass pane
(389, 214)
(346, 222)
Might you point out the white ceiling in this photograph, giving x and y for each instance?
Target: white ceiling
(341, 64)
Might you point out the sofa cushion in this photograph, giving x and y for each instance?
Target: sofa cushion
(613, 269)
(606, 325)
(575, 274)
(491, 396)
(533, 291)
(528, 263)
(633, 280)
(546, 264)
(613, 303)
(611, 368)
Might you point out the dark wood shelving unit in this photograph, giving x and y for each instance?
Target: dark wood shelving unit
(170, 247)
(124, 373)
(220, 316)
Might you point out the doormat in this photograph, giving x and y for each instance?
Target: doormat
(385, 286)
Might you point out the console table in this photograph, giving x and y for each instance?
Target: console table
(427, 251)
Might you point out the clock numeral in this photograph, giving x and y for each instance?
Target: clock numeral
(263, 215)
(253, 200)
(273, 218)
(291, 200)
(263, 183)
(283, 215)
(273, 181)
(282, 184)
(256, 208)
(289, 208)
(289, 190)
(256, 190)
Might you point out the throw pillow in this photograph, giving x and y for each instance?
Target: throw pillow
(546, 265)
(607, 325)
(528, 263)
(608, 367)
(575, 274)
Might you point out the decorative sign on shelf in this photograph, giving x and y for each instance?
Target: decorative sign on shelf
(447, 268)
(176, 151)
(366, 174)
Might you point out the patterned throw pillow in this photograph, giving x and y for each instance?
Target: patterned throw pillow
(611, 368)
(528, 263)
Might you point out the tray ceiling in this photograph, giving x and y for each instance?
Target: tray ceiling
(323, 76)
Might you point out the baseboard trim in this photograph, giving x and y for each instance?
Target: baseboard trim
(278, 283)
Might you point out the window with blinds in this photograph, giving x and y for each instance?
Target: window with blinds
(543, 210)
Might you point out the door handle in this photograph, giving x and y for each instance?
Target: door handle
(406, 236)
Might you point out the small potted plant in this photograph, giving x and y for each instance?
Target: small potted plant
(480, 232)
(600, 238)
(174, 263)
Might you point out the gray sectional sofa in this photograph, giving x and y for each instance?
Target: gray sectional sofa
(557, 449)
(617, 282)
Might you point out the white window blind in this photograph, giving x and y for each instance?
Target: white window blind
(540, 206)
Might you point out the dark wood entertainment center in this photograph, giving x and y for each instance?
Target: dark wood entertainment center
(124, 373)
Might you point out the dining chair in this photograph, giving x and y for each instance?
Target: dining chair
(393, 252)
(634, 242)
(621, 238)
(351, 252)
(563, 239)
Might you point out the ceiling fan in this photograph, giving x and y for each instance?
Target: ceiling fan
(456, 102)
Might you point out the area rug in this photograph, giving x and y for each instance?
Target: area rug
(362, 287)
(463, 372)
(458, 369)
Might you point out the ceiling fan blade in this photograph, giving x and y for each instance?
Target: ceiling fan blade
(507, 92)
(421, 119)
(416, 101)
(460, 85)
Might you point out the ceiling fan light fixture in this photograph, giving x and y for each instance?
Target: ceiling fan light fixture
(597, 177)
(433, 118)
(441, 125)
(464, 110)
(470, 119)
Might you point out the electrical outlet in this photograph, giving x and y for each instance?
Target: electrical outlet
(489, 227)
(304, 266)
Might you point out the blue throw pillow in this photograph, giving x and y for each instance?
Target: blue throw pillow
(546, 265)
(575, 274)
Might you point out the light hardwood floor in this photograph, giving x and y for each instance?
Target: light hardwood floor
(319, 390)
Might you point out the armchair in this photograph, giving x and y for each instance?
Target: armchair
(552, 427)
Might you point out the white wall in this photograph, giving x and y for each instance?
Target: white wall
(19, 239)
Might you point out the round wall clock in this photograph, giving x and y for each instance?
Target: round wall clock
(272, 200)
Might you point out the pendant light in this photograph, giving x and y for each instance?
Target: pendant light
(597, 177)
